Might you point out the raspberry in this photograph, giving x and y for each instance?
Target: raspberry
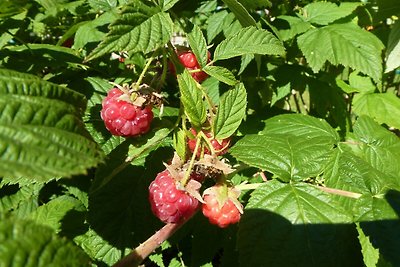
(169, 203)
(123, 118)
(219, 209)
(220, 147)
(189, 61)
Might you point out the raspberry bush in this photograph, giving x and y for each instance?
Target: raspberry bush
(199, 133)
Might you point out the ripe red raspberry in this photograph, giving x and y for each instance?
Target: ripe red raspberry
(220, 147)
(189, 61)
(123, 118)
(169, 203)
(221, 208)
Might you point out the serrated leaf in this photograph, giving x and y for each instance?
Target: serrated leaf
(192, 99)
(357, 84)
(377, 146)
(281, 93)
(168, 4)
(22, 243)
(383, 107)
(323, 13)
(42, 133)
(379, 220)
(198, 45)
(222, 74)
(370, 254)
(249, 40)
(103, 5)
(231, 111)
(345, 171)
(301, 126)
(240, 13)
(157, 259)
(11, 196)
(180, 143)
(344, 44)
(296, 26)
(393, 48)
(98, 248)
(281, 216)
(139, 28)
(216, 24)
(286, 156)
(245, 61)
(51, 213)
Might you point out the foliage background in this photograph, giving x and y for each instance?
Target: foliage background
(321, 82)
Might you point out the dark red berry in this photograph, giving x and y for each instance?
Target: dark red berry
(122, 118)
(220, 146)
(168, 202)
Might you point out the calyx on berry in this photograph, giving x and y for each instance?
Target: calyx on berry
(220, 147)
(171, 200)
(124, 117)
(221, 205)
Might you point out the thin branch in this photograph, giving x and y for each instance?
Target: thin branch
(339, 192)
(141, 252)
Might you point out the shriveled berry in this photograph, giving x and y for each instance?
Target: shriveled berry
(220, 147)
(169, 203)
(123, 118)
(221, 215)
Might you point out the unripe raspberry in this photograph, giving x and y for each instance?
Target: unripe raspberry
(220, 147)
(122, 118)
(221, 206)
(168, 202)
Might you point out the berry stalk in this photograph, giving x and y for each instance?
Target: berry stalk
(141, 252)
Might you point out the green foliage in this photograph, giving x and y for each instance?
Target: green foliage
(306, 92)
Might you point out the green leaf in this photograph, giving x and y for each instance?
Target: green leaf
(302, 127)
(358, 84)
(12, 196)
(103, 5)
(23, 243)
(384, 107)
(345, 171)
(198, 45)
(377, 146)
(249, 40)
(42, 133)
(295, 225)
(296, 26)
(281, 93)
(180, 143)
(370, 254)
(255, 4)
(138, 28)
(231, 111)
(192, 99)
(98, 248)
(393, 48)
(51, 213)
(240, 12)
(216, 23)
(222, 74)
(286, 156)
(344, 44)
(323, 13)
(168, 4)
(379, 219)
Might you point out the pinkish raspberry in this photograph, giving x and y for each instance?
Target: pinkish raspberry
(169, 203)
(123, 118)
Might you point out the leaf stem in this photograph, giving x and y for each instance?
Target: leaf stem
(186, 178)
(141, 252)
(339, 192)
(144, 71)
